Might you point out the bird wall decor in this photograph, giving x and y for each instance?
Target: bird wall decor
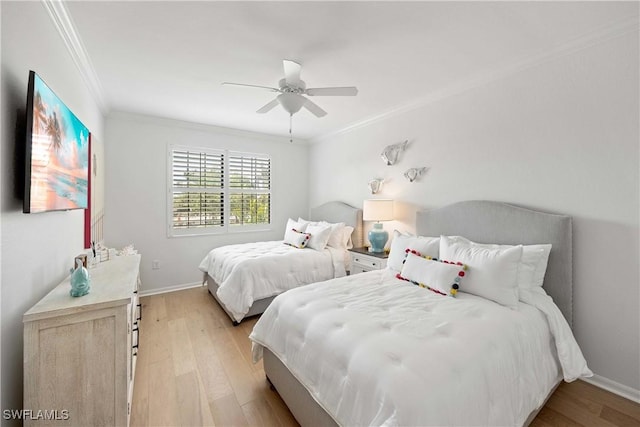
(414, 173)
(390, 153)
(375, 185)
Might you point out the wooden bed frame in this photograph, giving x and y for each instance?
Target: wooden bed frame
(480, 221)
(332, 212)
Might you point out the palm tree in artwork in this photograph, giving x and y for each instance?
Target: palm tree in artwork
(40, 114)
(53, 130)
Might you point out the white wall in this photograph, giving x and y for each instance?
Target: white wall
(561, 136)
(136, 191)
(1, 163)
(37, 249)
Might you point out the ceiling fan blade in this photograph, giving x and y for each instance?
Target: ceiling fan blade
(272, 89)
(291, 72)
(268, 107)
(317, 111)
(332, 91)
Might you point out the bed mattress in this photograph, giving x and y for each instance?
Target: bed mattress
(375, 350)
(252, 271)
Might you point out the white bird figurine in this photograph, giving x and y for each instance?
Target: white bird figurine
(390, 152)
(375, 185)
(414, 173)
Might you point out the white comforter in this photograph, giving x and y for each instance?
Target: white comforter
(251, 271)
(375, 350)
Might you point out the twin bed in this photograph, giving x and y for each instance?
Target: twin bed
(371, 349)
(245, 278)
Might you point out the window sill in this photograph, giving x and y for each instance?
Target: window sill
(226, 231)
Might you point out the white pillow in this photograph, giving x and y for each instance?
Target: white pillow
(428, 246)
(533, 264)
(440, 277)
(493, 271)
(340, 233)
(347, 231)
(297, 239)
(541, 253)
(307, 222)
(335, 239)
(319, 236)
(293, 225)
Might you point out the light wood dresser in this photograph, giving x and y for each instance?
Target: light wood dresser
(79, 353)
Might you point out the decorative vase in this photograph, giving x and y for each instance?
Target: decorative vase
(378, 238)
(80, 281)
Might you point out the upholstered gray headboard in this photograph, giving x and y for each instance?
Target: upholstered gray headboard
(495, 222)
(341, 212)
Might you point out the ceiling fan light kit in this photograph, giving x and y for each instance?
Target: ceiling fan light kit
(292, 89)
(291, 102)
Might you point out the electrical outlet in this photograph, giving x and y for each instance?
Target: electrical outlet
(155, 264)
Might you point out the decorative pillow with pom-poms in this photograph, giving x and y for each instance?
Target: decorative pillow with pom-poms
(442, 277)
(296, 238)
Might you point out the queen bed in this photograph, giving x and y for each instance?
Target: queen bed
(372, 349)
(245, 278)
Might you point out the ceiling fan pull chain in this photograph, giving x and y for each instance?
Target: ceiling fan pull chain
(290, 122)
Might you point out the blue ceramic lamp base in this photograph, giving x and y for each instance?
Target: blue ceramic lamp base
(378, 238)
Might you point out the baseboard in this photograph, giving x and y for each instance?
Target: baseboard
(614, 387)
(170, 289)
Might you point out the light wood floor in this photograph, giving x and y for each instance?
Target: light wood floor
(194, 368)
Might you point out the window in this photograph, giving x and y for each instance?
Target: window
(215, 191)
(249, 189)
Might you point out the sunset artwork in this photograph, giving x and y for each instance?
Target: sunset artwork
(59, 154)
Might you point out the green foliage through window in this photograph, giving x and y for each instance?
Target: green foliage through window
(249, 209)
(213, 189)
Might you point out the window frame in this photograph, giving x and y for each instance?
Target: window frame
(226, 227)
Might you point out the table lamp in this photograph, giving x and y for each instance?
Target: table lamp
(377, 210)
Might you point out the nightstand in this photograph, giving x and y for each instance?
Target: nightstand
(362, 260)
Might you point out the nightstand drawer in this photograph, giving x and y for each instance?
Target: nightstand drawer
(362, 260)
(368, 263)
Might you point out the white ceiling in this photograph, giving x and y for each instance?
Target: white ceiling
(169, 59)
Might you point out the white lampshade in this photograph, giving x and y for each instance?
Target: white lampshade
(377, 210)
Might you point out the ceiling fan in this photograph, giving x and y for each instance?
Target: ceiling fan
(291, 90)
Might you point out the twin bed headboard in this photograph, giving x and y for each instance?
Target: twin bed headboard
(341, 212)
(495, 222)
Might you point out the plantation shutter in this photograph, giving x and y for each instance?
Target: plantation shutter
(249, 189)
(197, 188)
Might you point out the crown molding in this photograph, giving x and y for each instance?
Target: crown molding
(67, 30)
(585, 41)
